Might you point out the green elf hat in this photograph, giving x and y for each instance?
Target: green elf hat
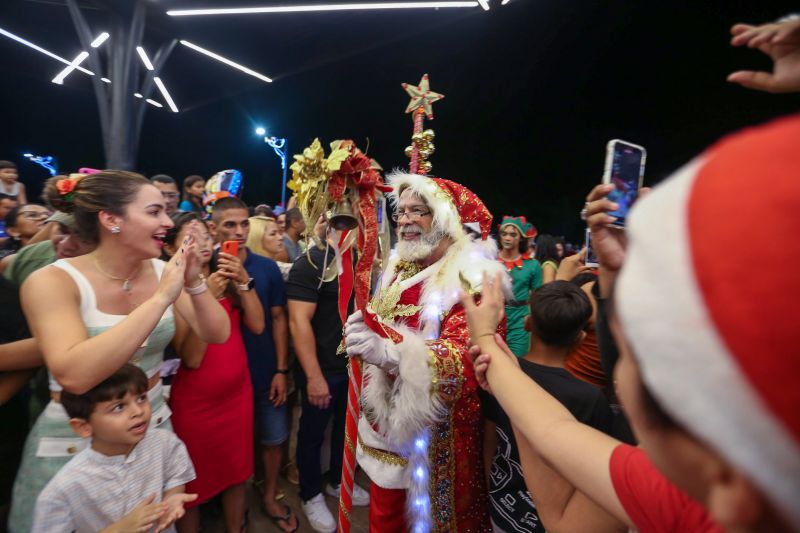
(518, 222)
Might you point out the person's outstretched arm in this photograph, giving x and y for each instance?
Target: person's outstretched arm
(578, 452)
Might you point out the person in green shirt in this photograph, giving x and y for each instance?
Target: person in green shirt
(526, 276)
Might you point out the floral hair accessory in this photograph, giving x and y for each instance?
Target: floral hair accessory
(65, 187)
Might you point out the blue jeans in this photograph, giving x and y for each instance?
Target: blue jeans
(311, 434)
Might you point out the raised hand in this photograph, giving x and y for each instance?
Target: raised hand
(231, 267)
(194, 262)
(573, 265)
(483, 318)
(781, 42)
(173, 277)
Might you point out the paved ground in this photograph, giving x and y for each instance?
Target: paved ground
(259, 522)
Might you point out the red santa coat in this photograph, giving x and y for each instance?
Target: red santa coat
(433, 398)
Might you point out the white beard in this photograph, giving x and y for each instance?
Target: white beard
(419, 249)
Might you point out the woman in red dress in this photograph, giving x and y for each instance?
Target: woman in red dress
(211, 396)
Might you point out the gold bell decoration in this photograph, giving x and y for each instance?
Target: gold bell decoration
(342, 217)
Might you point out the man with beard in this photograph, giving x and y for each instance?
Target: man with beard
(420, 433)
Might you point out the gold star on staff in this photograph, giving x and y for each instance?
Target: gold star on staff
(422, 96)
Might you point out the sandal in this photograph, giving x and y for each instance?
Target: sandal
(285, 518)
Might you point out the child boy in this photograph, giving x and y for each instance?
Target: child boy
(9, 183)
(130, 478)
(559, 312)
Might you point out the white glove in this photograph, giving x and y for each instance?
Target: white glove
(365, 343)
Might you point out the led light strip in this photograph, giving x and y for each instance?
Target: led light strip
(43, 51)
(226, 61)
(145, 60)
(59, 79)
(165, 94)
(322, 7)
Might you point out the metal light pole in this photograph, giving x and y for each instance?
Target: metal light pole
(278, 144)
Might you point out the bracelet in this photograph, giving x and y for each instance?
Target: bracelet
(200, 288)
(484, 335)
(282, 371)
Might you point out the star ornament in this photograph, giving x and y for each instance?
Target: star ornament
(421, 97)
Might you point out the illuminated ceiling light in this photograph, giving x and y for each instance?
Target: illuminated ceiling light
(484, 4)
(138, 95)
(320, 7)
(100, 39)
(42, 50)
(146, 60)
(165, 94)
(504, 2)
(105, 80)
(153, 102)
(59, 79)
(261, 131)
(226, 61)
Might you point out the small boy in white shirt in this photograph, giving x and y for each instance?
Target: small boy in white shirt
(129, 479)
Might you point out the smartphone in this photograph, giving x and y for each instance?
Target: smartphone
(591, 257)
(230, 247)
(625, 169)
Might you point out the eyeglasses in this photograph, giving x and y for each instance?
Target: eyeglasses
(412, 214)
(170, 195)
(34, 215)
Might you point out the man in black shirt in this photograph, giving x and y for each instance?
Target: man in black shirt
(317, 333)
(559, 312)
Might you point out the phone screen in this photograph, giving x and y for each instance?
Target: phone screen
(625, 172)
(591, 257)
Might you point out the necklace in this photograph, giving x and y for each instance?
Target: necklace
(126, 282)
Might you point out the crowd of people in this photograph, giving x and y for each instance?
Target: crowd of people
(160, 353)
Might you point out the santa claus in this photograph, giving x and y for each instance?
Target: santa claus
(420, 432)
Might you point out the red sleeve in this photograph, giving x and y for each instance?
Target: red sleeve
(654, 504)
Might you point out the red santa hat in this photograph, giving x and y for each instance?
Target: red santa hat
(717, 332)
(451, 204)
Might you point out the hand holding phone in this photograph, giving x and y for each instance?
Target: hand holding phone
(624, 169)
(230, 247)
(590, 259)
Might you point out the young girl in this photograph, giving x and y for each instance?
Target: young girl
(211, 397)
(92, 314)
(193, 187)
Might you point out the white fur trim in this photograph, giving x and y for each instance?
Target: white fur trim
(444, 212)
(415, 405)
(683, 361)
(387, 476)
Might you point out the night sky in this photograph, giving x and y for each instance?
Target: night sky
(534, 90)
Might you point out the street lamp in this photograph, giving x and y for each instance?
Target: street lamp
(278, 144)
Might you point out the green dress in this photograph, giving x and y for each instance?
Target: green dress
(526, 276)
(51, 442)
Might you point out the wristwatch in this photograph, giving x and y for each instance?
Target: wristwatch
(247, 286)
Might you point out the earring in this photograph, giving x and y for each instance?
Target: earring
(115, 229)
